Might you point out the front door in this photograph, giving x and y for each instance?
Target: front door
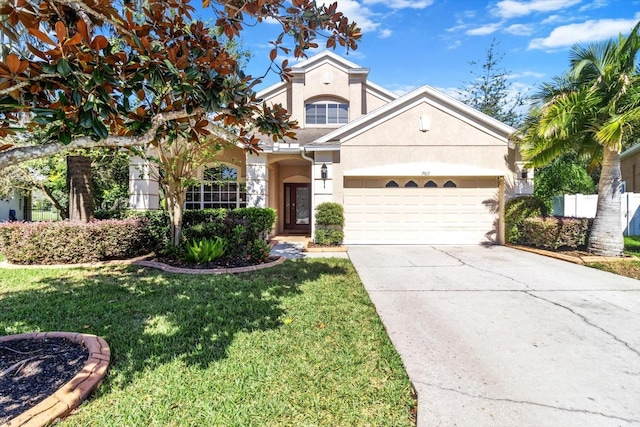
(297, 208)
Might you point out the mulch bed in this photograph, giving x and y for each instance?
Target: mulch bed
(33, 369)
(219, 263)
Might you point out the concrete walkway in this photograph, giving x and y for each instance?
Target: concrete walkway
(292, 247)
(493, 336)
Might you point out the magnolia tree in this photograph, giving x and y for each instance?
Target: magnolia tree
(97, 74)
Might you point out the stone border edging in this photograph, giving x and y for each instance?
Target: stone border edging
(171, 269)
(70, 395)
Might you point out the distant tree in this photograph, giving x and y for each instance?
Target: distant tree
(491, 92)
(593, 111)
(564, 175)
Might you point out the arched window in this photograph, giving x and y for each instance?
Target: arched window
(431, 184)
(326, 113)
(219, 189)
(450, 184)
(411, 184)
(392, 184)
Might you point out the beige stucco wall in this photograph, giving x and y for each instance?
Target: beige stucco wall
(630, 168)
(449, 140)
(332, 82)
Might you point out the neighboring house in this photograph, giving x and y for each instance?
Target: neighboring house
(417, 168)
(15, 208)
(630, 169)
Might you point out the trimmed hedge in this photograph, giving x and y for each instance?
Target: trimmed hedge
(556, 232)
(65, 242)
(516, 210)
(329, 222)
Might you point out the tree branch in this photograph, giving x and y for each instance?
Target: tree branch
(20, 154)
(27, 83)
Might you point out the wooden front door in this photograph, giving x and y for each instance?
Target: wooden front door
(297, 207)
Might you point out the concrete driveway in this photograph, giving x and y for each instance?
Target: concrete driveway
(493, 336)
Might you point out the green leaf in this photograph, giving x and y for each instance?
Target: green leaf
(65, 138)
(63, 67)
(100, 129)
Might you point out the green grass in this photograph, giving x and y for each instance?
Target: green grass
(295, 345)
(632, 245)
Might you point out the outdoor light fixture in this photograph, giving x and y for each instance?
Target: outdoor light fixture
(323, 172)
(524, 174)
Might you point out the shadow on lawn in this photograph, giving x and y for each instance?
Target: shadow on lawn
(151, 318)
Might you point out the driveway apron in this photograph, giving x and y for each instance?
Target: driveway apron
(493, 336)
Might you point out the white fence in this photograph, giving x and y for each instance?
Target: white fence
(584, 206)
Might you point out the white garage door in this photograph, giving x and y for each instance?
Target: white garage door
(420, 210)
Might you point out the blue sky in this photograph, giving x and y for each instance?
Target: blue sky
(409, 43)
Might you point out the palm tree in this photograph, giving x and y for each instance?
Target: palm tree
(592, 112)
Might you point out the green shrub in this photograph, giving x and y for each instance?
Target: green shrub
(64, 242)
(328, 237)
(205, 250)
(157, 224)
(260, 221)
(203, 216)
(258, 251)
(329, 221)
(556, 232)
(517, 210)
(232, 230)
(330, 213)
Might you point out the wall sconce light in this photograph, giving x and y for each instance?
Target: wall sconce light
(323, 172)
(425, 123)
(524, 174)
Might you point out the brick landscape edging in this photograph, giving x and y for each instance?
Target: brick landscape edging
(70, 395)
(171, 269)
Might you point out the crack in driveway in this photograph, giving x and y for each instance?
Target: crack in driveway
(525, 402)
(585, 320)
(464, 263)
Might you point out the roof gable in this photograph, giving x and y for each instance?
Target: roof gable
(424, 94)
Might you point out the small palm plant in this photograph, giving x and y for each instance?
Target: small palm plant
(205, 250)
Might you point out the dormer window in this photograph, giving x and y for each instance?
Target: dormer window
(326, 113)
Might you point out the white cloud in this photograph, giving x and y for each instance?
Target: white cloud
(361, 15)
(400, 4)
(519, 29)
(454, 45)
(524, 74)
(514, 8)
(400, 89)
(595, 4)
(484, 30)
(385, 33)
(586, 32)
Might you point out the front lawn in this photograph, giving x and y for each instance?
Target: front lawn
(297, 344)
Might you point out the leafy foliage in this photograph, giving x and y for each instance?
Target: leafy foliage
(160, 77)
(66, 242)
(592, 111)
(556, 232)
(329, 222)
(330, 213)
(205, 250)
(516, 211)
(564, 175)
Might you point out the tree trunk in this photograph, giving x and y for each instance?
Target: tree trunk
(606, 235)
(175, 196)
(79, 184)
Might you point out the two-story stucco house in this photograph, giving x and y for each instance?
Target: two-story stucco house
(418, 168)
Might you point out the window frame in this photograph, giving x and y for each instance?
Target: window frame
(340, 116)
(227, 193)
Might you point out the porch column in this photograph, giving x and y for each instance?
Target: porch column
(257, 181)
(144, 190)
